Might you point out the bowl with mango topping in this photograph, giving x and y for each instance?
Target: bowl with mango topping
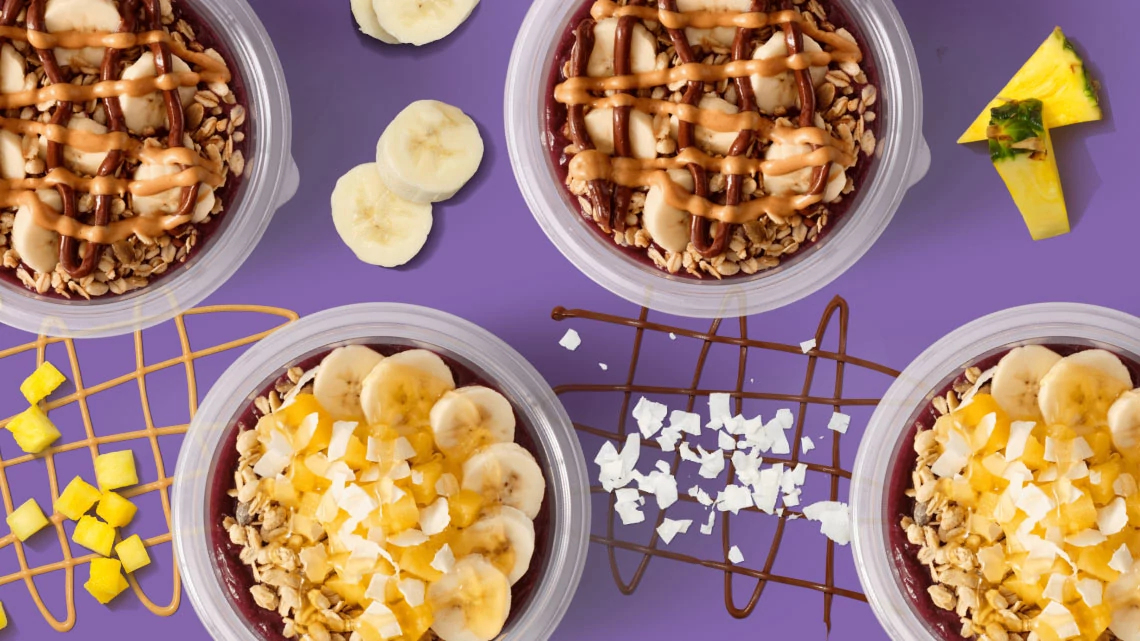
(377, 472)
(995, 494)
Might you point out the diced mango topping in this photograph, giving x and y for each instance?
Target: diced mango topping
(45, 380)
(106, 580)
(77, 499)
(27, 519)
(33, 430)
(115, 470)
(465, 507)
(94, 535)
(115, 510)
(132, 552)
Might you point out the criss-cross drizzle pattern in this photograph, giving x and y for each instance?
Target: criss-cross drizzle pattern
(837, 312)
(149, 432)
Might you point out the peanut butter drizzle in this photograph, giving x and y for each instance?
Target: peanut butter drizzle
(91, 142)
(594, 165)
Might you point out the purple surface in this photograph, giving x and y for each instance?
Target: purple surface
(956, 250)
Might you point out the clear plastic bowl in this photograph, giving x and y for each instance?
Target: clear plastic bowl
(903, 160)
(889, 432)
(465, 343)
(271, 180)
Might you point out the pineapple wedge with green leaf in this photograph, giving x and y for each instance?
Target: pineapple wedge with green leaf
(1022, 151)
(1056, 75)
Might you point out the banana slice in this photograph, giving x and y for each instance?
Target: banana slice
(12, 68)
(469, 418)
(1080, 388)
(1123, 599)
(505, 537)
(148, 112)
(715, 142)
(600, 126)
(719, 38)
(74, 159)
(402, 389)
(87, 16)
(799, 182)
(781, 92)
(377, 225)
(471, 602)
(1124, 421)
(429, 152)
(365, 16)
(38, 247)
(1017, 380)
(423, 21)
(340, 379)
(643, 49)
(506, 474)
(169, 201)
(668, 226)
(12, 155)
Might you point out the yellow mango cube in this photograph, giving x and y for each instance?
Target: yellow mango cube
(115, 470)
(33, 430)
(45, 380)
(3, 617)
(106, 580)
(1080, 514)
(1106, 474)
(77, 499)
(417, 560)
(464, 508)
(132, 552)
(94, 535)
(414, 622)
(355, 453)
(27, 519)
(424, 445)
(428, 474)
(115, 510)
(350, 591)
(401, 515)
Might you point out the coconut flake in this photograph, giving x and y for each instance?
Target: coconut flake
(1113, 517)
(1092, 591)
(358, 503)
(839, 422)
(687, 422)
(628, 506)
(650, 416)
(808, 345)
(953, 458)
(413, 591)
(338, 444)
(1086, 538)
(1035, 503)
(378, 587)
(767, 489)
(444, 559)
(1124, 485)
(380, 617)
(670, 528)
(719, 410)
(672, 336)
(314, 561)
(1059, 618)
(712, 463)
(447, 485)
(806, 444)
(408, 538)
(571, 340)
(1121, 560)
(735, 556)
(1055, 588)
(747, 466)
(834, 519)
(400, 471)
(404, 449)
(305, 379)
(603, 366)
(435, 518)
(733, 499)
(702, 496)
(1018, 436)
(707, 526)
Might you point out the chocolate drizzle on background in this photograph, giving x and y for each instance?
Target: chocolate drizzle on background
(765, 574)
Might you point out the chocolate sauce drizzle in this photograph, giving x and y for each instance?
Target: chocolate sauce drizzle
(765, 574)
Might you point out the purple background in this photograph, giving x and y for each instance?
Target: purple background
(956, 250)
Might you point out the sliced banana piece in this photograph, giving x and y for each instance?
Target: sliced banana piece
(169, 201)
(429, 152)
(505, 537)
(1123, 599)
(780, 92)
(79, 161)
(377, 225)
(506, 474)
(12, 70)
(1124, 421)
(38, 247)
(148, 112)
(422, 21)
(1017, 380)
(714, 142)
(12, 155)
(468, 418)
(471, 602)
(668, 226)
(365, 16)
(719, 38)
(600, 126)
(402, 389)
(340, 379)
(643, 49)
(798, 182)
(1080, 388)
(87, 16)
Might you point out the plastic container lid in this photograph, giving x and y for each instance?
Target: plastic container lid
(886, 435)
(904, 160)
(490, 358)
(271, 180)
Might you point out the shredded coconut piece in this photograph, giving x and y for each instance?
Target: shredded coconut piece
(735, 555)
(670, 528)
(571, 340)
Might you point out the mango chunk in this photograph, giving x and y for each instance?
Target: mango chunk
(106, 580)
(132, 552)
(33, 430)
(77, 498)
(115, 470)
(45, 380)
(27, 519)
(464, 508)
(94, 535)
(115, 510)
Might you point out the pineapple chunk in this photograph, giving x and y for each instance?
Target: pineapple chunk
(115, 510)
(1022, 151)
(105, 581)
(27, 520)
(132, 552)
(464, 508)
(1055, 74)
(33, 430)
(115, 470)
(429, 473)
(77, 499)
(45, 380)
(94, 535)
(3, 617)
(416, 560)
(401, 515)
